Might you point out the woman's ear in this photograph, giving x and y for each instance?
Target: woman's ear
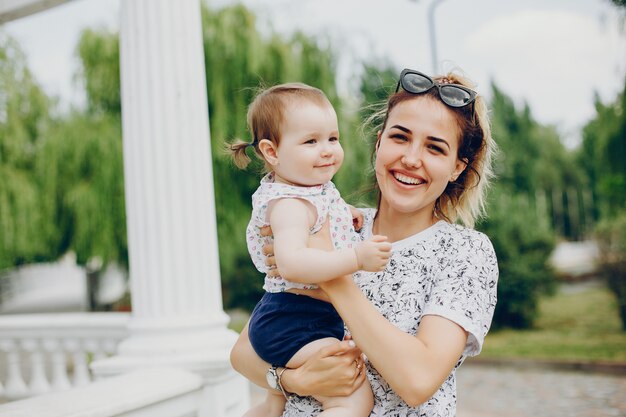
(269, 150)
(378, 134)
(460, 166)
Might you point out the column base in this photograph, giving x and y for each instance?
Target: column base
(204, 352)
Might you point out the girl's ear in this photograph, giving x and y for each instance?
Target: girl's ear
(269, 150)
(460, 166)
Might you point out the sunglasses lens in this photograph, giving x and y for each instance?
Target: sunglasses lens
(454, 96)
(416, 83)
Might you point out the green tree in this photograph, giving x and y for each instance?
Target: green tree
(81, 173)
(531, 162)
(24, 118)
(523, 244)
(603, 153)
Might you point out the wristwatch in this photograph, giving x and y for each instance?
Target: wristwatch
(273, 379)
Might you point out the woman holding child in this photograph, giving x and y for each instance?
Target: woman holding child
(417, 320)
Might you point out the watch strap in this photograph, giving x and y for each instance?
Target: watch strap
(279, 375)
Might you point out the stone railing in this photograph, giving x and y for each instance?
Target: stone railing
(148, 392)
(40, 353)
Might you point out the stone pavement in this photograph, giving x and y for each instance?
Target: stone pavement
(499, 391)
(496, 391)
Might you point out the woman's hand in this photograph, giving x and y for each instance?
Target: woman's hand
(336, 370)
(357, 217)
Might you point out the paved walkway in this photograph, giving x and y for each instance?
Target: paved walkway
(491, 391)
(496, 391)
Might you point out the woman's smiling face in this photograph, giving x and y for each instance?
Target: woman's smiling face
(417, 156)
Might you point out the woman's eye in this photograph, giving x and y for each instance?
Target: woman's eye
(436, 148)
(399, 137)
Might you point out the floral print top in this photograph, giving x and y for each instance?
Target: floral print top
(327, 202)
(446, 270)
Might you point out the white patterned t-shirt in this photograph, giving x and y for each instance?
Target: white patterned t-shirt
(327, 202)
(446, 270)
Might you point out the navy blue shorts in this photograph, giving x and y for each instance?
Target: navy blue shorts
(282, 323)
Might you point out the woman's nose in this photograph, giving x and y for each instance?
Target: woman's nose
(412, 158)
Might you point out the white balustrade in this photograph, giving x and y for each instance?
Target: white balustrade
(42, 353)
(148, 392)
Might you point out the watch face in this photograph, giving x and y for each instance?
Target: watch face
(272, 378)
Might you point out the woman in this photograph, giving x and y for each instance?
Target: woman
(432, 306)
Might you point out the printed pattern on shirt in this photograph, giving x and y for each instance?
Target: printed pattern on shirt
(446, 270)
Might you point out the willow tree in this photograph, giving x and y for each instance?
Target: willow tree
(24, 119)
(79, 163)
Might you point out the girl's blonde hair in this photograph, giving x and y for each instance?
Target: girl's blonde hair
(464, 198)
(266, 114)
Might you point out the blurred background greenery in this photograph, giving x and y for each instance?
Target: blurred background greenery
(61, 180)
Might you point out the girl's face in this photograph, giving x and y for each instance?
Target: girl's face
(417, 156)
(309, 152)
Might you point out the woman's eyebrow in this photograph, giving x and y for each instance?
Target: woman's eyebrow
(402, 128)
(439, 140)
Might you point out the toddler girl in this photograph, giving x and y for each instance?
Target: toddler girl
(294, 130)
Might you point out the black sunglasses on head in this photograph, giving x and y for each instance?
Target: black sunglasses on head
(454, 95)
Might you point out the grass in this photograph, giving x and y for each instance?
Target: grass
(576, 326)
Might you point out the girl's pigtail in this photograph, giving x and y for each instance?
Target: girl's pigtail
(237, 151)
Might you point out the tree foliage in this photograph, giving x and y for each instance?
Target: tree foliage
(603, 153)
(24, 118)
(61, 178)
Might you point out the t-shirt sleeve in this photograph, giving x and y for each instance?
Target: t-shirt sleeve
(465, 290)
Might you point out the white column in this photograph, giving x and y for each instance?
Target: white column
(177, 316)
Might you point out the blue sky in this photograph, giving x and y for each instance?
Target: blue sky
(552, 54)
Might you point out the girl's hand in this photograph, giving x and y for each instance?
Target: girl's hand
(373, 254)
(336, 370)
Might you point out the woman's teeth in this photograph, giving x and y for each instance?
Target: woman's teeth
(406, 179)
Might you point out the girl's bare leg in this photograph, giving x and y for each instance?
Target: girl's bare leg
(358, 404)
(272, 406)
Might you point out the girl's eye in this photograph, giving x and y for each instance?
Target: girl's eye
(333, 139)
(310, 141)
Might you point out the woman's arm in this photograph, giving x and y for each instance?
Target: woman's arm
(414, 367)
(331, 372)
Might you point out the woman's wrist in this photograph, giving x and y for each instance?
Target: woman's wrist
(336, 284)
(289, 381)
